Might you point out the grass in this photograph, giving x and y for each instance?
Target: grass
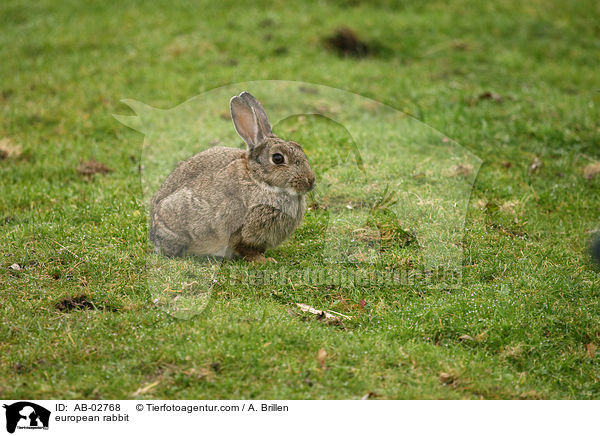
(528, 298)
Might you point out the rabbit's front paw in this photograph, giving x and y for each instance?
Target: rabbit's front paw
(252, 254)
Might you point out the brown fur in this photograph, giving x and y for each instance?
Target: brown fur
(225, 201)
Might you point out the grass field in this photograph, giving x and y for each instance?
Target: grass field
(515, 83)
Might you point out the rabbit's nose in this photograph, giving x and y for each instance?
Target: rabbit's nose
(311, 181)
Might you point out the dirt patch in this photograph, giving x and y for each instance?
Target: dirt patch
(512, 232)
(6, 94)
(267, 22)
(462, 170)
(345, 42)
(91, 167)
(80, 302)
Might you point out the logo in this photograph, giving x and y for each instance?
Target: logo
(26, 415)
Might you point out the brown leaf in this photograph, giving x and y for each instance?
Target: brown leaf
(15, 267)
(591, 350)
(512, 352)
(447, 378)
(490, 96)
(509, 206)
(591, 171)
(321, 355)
(465, 338)
(8, 149)
(199, 373)
(91, 167)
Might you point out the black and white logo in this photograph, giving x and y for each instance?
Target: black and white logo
(26, 415)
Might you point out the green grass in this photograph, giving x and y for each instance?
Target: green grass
(529, 297)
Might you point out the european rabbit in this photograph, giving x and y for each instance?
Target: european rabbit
(226, 201)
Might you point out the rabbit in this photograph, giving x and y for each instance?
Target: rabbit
(229, 202)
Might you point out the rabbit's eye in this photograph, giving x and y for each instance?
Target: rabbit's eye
(277, 158)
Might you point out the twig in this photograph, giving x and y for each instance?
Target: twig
(58, 243)
(321, 313)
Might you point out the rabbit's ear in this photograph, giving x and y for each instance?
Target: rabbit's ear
(245, 122)
(261, 115)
